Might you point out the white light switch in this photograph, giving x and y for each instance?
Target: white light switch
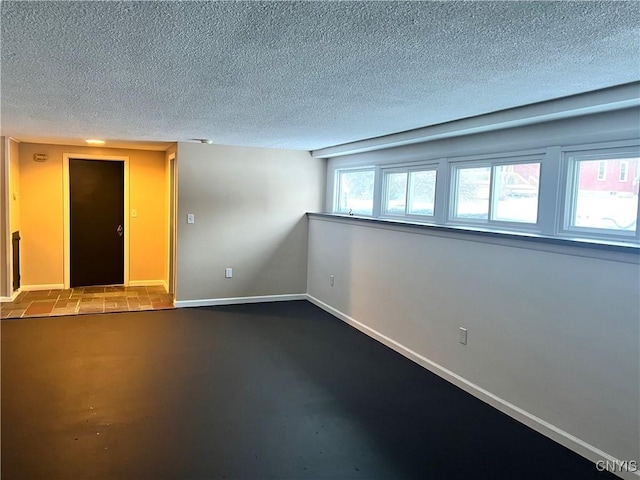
(134, 212)
(463, 336)
(191, 218)
(228, 272)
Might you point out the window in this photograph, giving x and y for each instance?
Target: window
(624, 170)
(422, 192)
(608, 206)
(496, 193)
(395, 193)
(602, 170)
(409, 192)
(557, 191)
(355, 191)
(471, 193)
(515, 197)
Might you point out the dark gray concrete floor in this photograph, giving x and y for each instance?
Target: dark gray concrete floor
(265, 391)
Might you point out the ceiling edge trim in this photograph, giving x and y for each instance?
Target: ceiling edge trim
(598, 101)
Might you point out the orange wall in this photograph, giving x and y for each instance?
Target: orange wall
(14, 186)
(149, 230)
(42, 220)
(4, 235)
(171, 151)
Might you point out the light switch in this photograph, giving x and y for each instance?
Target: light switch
(191, 218)
(134, 212)
(463, 336)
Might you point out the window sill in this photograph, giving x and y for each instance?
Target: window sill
(613, 251)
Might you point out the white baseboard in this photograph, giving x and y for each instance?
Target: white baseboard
(43, 286)
(237, 300)
(13, 296)
(541, 426)
(148, 283)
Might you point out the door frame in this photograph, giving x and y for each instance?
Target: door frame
(172, 188)
(66, 210)
(5, 228)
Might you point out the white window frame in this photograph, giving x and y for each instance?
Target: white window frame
(337, 186)
(407, 169)
(491, 163)
(554, 189)
(571, 160)
(455, 167)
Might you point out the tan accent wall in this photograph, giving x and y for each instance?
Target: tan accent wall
(172, 150)
(148, 247)
(14, 185)
(4, 220)
(249, 206)
(42, 219)
(14, 204)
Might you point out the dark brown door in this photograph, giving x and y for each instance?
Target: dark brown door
(96, 198)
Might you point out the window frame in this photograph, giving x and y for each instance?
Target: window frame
(338, 184)
(492, 163)
(554, 188)
(454, 169)
(571, 160)
(386, 171)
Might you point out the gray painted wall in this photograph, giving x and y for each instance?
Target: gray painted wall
(249, 206)
(556, 335)
(552, 333)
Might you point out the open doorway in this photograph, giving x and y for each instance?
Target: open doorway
(47, 288)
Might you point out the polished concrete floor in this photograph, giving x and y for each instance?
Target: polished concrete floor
(83, 300)
(263, 391)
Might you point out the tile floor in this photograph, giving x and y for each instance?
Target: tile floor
(78, 301)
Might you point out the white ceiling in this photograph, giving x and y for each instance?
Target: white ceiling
(298, 75)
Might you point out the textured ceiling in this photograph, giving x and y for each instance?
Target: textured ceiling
(296, 75)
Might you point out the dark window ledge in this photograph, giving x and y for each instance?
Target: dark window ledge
(615, 251)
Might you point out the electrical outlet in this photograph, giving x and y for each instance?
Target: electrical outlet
(228, 272)
(191, 218)
(332, 280)
(463, 336)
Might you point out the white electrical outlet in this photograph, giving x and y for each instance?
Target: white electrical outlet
(463, 336)
(191, 218)
(332, 280)
(228, 272)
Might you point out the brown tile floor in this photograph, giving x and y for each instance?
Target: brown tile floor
(77, 301)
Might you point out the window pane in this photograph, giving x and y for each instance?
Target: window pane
(422, 192)
(624, 169)
(396, 192)
(610, 202)
(355, 192)
(515, 193)
(602, 170)
(472, 192)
